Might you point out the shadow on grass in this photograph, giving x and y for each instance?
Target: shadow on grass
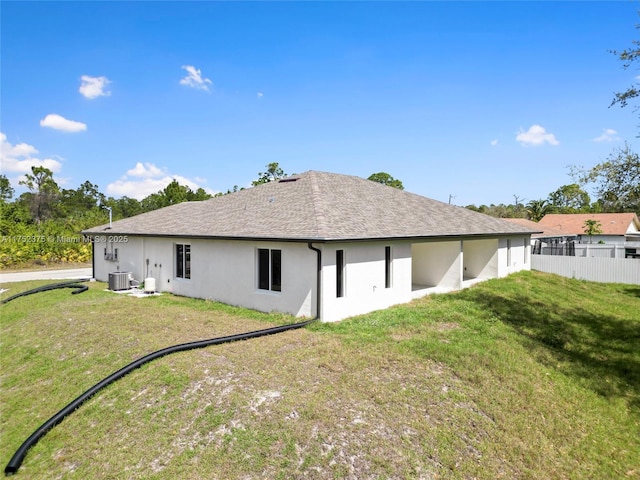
(601, 351)
(633, 291)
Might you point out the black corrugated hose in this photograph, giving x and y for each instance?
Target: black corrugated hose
(52, 286)
(15, 462)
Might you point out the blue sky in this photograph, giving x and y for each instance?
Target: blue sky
(478, 100)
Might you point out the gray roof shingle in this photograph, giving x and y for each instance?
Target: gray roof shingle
(315, 206)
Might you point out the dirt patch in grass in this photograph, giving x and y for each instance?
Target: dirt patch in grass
(448, 387)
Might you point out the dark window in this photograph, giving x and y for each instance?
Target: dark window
(183, 261)
(276, 272)
(269, 269)
(187, 261)
(387, 267)
(339, 273)
(263, 269)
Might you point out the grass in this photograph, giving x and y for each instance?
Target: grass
(532, 376)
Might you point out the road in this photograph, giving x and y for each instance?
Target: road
(70, 274)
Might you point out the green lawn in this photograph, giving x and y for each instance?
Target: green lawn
(532, 376)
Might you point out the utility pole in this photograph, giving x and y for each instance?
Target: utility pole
(451, 197)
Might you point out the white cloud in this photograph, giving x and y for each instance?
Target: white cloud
(259, 94)
(58, 122)
(94, 87)
(608, 135)
(148, 179)
(494, 142)
(535, 136)
(194, 79)
(145, 170)
(19, 159)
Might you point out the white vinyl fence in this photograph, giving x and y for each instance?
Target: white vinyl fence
(595, 269)
(587, 250)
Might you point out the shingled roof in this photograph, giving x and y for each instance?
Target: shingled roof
(611, 223)
(314, 206)
(544, 231)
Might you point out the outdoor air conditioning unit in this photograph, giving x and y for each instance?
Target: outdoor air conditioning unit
(119, 281)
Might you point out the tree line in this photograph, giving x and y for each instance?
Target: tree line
(42, 225)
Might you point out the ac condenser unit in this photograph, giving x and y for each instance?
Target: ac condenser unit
(119, 281)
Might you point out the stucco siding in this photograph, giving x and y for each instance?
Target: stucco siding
(480, 258)
(364, 278)
(129, 250)
(514, 255)
(607, 239)
(224, 271)
(437, 264)
(227, 271)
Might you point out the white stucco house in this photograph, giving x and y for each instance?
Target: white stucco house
(617, 228)
(313, 245)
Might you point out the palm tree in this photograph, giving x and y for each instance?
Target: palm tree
(591, 228)
(536, 209)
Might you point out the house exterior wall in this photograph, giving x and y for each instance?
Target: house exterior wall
(129, 250)
(364, 278)
(437, 264)
(514, 255)
(607, 239)
(221, 270)
(480, 258)
(227, 271)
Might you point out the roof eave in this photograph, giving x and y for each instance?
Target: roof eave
(308, 239)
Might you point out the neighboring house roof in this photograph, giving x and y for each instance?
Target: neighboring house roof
(611, 223)
(544, 231)
(314, 206)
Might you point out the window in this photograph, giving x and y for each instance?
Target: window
(183, 261)
(270, 269)
(387, 267)
(339, 273)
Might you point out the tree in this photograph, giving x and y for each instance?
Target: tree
(79, 202)
(6, 191)
(536, 209)
(617, 180)
(44, 192)
(386, 179)
(273, 173)
(172, 194)
(569, 199)
(627, 56)
(175, 193)
(123, 207)
(591, 228)
(199, 194)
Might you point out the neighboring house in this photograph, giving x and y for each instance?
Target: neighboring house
(548, 239)
(313, 245)
(617, 228)
(545, 234)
